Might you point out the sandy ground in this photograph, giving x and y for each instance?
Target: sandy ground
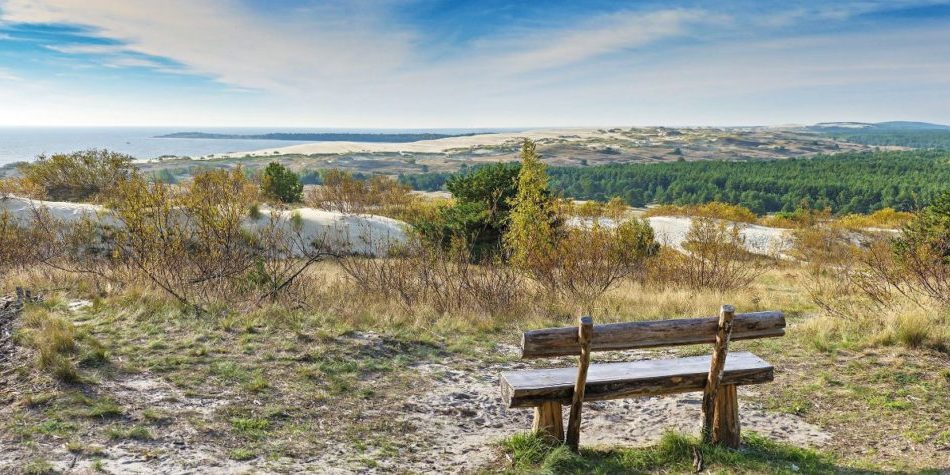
(459, 419)
(425, 146)
(456, 417)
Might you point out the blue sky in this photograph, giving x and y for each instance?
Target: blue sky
(490, 63)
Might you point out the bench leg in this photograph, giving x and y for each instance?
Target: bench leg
(548, 420)
(726, 432)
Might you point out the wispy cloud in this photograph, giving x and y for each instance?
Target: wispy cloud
(8, 76)
(595, 37)
(87, 49)
(225, 40)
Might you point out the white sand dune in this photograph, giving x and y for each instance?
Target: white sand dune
(373, 235)
(359, 234)
(671, 231)
(424, 146)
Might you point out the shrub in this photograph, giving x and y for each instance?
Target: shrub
(16, 243)
(481, 210)
(714, 257)
(344, 193)
(188, 241)
(887, 218)
(715, 209)
(446, 279)
(19, 186)
(78, 176)
(281, 184)
(923, 250)
(586, 263)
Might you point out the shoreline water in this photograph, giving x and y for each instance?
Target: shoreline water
(26, 143)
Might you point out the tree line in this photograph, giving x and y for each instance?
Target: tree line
(857, 182)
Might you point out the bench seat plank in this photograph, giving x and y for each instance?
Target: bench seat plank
(605, 381)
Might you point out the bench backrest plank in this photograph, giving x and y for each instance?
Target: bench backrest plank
(550, 342)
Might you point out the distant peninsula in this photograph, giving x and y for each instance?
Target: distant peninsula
(318, 137)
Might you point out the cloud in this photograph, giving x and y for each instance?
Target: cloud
(356, 63)
(595, 37)
(8, 76)
(231, 43)
(86, 49)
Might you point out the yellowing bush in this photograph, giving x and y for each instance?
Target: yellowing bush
(887, 218)
(715, 209)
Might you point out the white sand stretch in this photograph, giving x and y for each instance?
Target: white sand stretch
(360, 234)
(425, 146)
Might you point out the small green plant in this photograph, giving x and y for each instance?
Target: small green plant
(242, 454)
(140, 433)
(251, 427)
(38, 467)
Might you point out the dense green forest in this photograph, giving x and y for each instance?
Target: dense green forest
(904, 134)
(914, 138)
(846, 183)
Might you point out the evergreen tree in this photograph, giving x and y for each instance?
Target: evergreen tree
(533, 226)
(281, 184)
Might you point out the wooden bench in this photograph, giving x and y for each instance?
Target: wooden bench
(717, 376)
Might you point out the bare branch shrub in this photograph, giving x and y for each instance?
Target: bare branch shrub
(282, 255)
(587, 262)
(420, 272)
(188, 242)
(714, 257)
(344, 193)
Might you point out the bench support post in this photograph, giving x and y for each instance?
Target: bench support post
(712, 416)
(547, 420)
(584, 332)
(726, 429)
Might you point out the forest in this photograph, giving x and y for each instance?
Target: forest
(904, 138)
(845, 183)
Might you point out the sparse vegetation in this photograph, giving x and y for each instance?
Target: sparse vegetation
(334, 360)
(78, 176)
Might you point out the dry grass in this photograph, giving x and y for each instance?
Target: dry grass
(59, 346)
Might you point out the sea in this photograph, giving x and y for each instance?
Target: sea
(26, 143)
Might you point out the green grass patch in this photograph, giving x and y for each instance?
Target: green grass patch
(139, 433)
(673, 453)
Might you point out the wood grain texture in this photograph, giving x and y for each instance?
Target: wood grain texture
(530, 388)
(548, 420)
(550, 342)
(716, 366)
(726, 428)
(584, 330)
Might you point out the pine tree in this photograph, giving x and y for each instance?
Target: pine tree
(533, 228)
(281, 184)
